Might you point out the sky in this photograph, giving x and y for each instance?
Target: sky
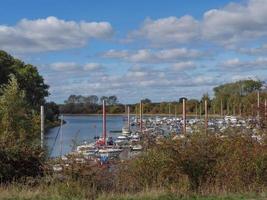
(156, 49)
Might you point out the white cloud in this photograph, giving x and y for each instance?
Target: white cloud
(92, 67)
(243, 77)
(51, 34)
(261, 50)
(170, 30)
(249, 65)
(228, 26)
(139, 80)
(64, 66)
(182, 66)
(155, 56)
(236, 22)
(78, 68)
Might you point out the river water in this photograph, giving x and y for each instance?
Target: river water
(80, 128)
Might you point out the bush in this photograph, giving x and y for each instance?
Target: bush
(20, 162)
(200, 163)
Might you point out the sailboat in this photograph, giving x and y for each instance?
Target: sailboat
(126, 129)
(105, 151)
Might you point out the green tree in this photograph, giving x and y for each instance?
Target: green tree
(16, 118)
(27, 77)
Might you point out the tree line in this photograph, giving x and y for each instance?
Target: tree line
(237, 98)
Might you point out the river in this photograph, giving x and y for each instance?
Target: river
(80, 128)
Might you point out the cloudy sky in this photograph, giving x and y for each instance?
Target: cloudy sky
(160, 50)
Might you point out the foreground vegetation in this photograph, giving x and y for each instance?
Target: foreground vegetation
(229, 166)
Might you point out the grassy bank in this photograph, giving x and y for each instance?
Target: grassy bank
(62, 193)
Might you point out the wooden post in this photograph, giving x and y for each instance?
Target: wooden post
(104, 123)
(206, 116)
(141, 116)
(184, 115)
(42, 126)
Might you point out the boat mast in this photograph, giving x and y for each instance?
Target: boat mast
(104, 123)
(184, 116)
(128, 116)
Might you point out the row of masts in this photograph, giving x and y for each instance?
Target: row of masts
(184, 118)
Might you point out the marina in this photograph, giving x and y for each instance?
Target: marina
(122, 138)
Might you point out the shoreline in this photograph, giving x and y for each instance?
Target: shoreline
(133, 114)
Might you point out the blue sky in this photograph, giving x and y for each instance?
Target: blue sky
(160, 50)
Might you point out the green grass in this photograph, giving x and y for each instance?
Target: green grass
(39, 194)
(158, 195)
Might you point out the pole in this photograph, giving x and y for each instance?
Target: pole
(61, 136)
(221, 108)
(42, 126)
(196, 110)
(184, 115)
(175, 111)
(206, 116)
(200, 110)
(141, 116)
(104, 122)
(169, 110)
(258, 105)
(265, 109)
(136, 113)
(128, 113)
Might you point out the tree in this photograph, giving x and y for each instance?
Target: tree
(92, 99)
(146, 100)
(103, 98)
(112, 100)
(51, 111)
(71, 99)
(27, 77)
(181, 99)
(16, 117)
(6, 63)
(33, 84)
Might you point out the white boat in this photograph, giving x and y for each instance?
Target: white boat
(121, 140)
(137, 147)
(110, 152)
(126, 131)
